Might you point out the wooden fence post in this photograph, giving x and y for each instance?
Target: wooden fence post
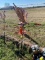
(4, 25)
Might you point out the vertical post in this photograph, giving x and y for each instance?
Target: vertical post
(4, 25)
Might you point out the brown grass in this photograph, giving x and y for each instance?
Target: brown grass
(34, 15)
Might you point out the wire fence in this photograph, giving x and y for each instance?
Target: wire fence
(32, 5)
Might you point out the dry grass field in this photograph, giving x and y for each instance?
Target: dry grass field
(35, 15)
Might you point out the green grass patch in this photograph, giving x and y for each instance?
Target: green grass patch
(10, 52)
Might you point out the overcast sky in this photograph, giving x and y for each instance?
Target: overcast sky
(23, 3)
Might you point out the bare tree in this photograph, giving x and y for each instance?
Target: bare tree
(7, 5)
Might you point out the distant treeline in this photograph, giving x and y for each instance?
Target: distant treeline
(11, 7)
(7, 8)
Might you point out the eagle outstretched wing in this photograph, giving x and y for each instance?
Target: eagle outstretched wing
(21, 13)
